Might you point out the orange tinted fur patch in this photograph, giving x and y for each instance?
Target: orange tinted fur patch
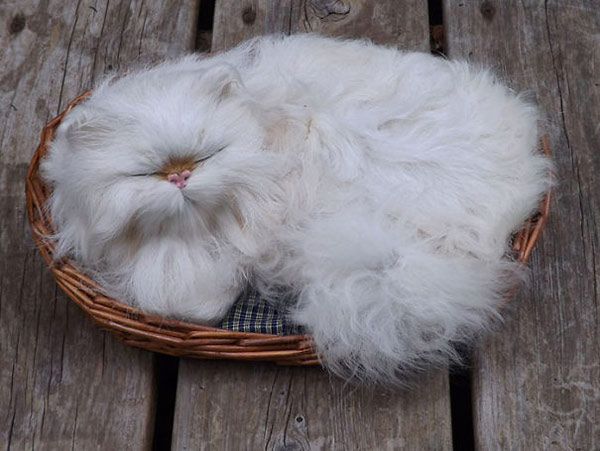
(177, 166)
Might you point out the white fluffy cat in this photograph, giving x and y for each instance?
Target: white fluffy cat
(379, 187)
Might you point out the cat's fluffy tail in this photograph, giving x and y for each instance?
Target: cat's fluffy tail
(378, 305)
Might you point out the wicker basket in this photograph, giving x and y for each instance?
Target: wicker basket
(174, 337)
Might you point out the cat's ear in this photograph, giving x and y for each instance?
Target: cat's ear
(83, 127)
(222, 82)
(70, 126)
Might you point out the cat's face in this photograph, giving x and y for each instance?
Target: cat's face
(154, 153)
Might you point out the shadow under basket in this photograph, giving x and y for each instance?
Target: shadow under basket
(179, 338)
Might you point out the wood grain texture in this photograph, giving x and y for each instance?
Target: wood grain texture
(403, 23)
(63, 383)
(236, 405)
(537, 382)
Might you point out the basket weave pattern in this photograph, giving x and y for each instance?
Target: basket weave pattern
(174, 337)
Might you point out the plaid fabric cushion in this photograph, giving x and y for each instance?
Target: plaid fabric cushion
(250, 313)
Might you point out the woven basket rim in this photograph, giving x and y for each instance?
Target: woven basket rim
(177, 337)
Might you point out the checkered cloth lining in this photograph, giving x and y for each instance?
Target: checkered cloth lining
(250, 313)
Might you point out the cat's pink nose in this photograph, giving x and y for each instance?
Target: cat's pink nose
(179, 180)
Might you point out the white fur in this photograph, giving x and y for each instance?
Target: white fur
(380, 187)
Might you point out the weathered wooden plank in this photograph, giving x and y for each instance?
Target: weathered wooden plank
(233, 405)
(237, 405)
(63, 383)
(537, 382)
(403, 23)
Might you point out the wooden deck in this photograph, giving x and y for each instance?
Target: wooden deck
(534, 385)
